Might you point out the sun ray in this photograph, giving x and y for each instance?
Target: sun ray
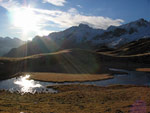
(25, 19)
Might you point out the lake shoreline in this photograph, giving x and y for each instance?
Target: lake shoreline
(62, 78)
(103, 76)
(108, 75)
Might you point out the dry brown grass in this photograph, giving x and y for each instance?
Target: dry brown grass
(143, 69)
(79, 99)
(61, 77)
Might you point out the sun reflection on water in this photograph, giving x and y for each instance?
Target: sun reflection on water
(26, 84)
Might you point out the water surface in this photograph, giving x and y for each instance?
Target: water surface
(22, 84)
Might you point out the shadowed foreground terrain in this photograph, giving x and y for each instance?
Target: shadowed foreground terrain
(79, 99)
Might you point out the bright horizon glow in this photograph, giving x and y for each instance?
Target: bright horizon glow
(25, 19)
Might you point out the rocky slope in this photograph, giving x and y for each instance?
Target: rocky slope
(85, 37)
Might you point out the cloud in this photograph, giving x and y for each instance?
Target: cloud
(79, 6)
(55, 2)
(9, 4)
(73, 18)
(57, 19)
(44, 32)
(13, 7)
(73, 11)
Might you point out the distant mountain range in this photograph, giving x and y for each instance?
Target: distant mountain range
(85, 37)
(6, 44)
(114, 36)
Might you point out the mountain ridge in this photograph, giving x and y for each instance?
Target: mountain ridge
(85, 37)
(7, 43)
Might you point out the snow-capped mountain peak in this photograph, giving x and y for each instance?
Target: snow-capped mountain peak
(86, 37)
(113, 36)
(76, 33)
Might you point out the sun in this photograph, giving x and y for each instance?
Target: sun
(25, 18)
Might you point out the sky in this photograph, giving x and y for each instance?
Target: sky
(25, 19)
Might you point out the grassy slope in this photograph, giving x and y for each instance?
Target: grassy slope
(71, 61)
(66, 61)
(134, 48)
(143, 69)
(79, 99)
